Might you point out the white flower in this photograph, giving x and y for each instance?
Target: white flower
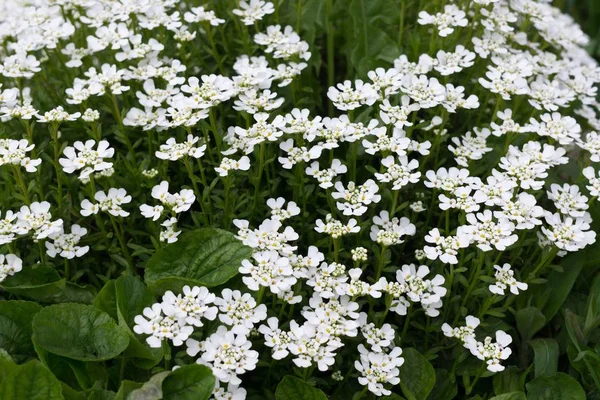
(505, 278)
(253, 11)
(270, 270)
(492, 352)
(193, 305)
(58, 114)
(177, 202)
(568, 200)
(570, 234)
(446, 21)
(325, 176)
(564, 129)
(14, 152)
(174, 151)
(524, 211)
(107, 202)
(345, 97)
(239, 311)
(160, 325)
(390, 232)
(446, 248)
(37, 218)
(228, 164)
(487, 233)
(278, 212)
(275, 338)
(336, 228)
(66, 244)
(200, 14)
(451, 63)
(594, 186)
(297, 154)
(83, 156)
(464, 333)
(228, 354)
(401, 173)
(379, 368)
(355, 199)
(10, 264)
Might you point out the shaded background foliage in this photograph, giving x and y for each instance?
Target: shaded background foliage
(557, 321)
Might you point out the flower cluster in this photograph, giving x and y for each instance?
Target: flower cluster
(375, 207)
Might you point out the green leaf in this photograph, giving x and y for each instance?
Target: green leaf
(508, 381)
(31, 381)
(545, 356)
(6, 364)
(529, 321)
(132, 297)
(417, 376)
(592, 317)
(292, 388)
(191, 382)
(510, 396)
(550, 297)
(100, 394)
(37, 282)
(445, 387)
(126, 388)
(79, 332)
(151, 390)
(43, 284)
(123, 299)
(559, 386)
(204, 257)
(15, 327)
(106, 300)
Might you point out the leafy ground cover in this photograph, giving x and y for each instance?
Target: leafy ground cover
(299, 199)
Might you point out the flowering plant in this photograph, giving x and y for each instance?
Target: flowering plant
(298, 199)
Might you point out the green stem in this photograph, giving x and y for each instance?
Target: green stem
(21, 184)
(123, 243)
(199, 198)
(330, 51)
(545, 260)
(57, 168)
(381, 263)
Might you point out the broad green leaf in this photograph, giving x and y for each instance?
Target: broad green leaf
(292, 388)
(529, 321)
(417, 376)
(510, 396)
(204, 257)
(550, 297)
(43, 284)
(6, 364)
(190, 382)
(71, 394)
(586, 361)
(445, 387)
(37, 282)
(100, 394)
(545, 356)
(151, 390)
(123, 299)
(132, 297)
(592, 317)
(31, 381)
(508, 381)
(126, 388)
(79, 332)
(15, 327)
(106, 300)
(559, 386)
